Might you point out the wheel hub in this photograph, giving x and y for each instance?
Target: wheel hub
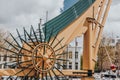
(43, 57)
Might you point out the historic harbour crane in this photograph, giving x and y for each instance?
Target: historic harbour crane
(35, 55)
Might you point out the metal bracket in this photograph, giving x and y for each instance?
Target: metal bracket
(93, 20)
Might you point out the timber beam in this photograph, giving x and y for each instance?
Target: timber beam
(79, 73)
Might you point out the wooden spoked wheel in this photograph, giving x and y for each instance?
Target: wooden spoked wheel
(34, 56)
(43, 58)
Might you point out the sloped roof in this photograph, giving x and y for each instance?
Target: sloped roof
(63, 20)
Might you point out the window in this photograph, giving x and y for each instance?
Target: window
(5, 58)
(0, 57)
(58, 65)
(113, 41)
(64, 55)
(64, 66)
(76, 54)
(70, 55)
(118, 40)
(70, 65)
(116, 53)
(76, 65)
(11, 58)
(0, 66)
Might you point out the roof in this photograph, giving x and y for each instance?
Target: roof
(63, 20)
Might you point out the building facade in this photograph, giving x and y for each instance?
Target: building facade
(115, 41)
(68, 4)
(74, 57)
(73, 54)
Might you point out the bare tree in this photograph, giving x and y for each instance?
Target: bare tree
(105, 49)
(4, 35)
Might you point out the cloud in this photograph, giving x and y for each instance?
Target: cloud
(113, 20)
(18, 13)
(115, 2)
(114, 13)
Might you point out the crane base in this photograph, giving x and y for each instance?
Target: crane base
(87, 78)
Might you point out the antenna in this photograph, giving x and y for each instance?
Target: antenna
(46, 16)
(40, 22)
(45, 26)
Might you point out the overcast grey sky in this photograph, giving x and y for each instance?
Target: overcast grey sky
(113, 20)
(18, 13)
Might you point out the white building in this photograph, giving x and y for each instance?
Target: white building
(115, 40)
(74, 57)
(73, 54)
